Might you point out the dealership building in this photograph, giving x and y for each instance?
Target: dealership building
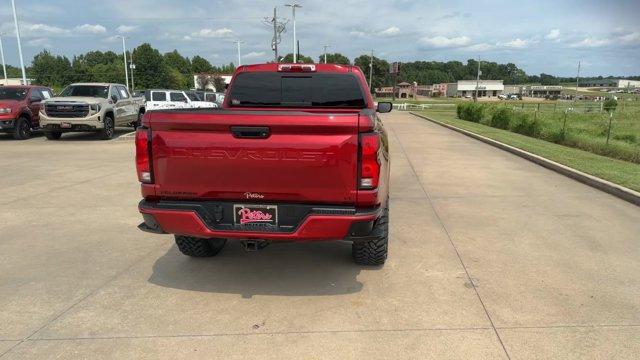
(610, 83)
(467, 88)
(541, 91)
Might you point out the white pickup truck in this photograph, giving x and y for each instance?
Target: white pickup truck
(157, 99)
(96, 107)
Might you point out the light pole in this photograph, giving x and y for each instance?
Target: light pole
(4, 66)
(124, 54)
(15, 21)
(371, 72)
(238, 42)
(293, 6)
(133, 67)
(475, 98)
(325, 52)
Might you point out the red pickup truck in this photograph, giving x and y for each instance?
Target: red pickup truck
(20, 109)
(296, 153)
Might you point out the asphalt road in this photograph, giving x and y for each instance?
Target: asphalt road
(491, 257)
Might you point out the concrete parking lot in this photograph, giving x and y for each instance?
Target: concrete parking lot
(491, 257)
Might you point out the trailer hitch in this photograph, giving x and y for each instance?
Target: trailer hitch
(253, 245)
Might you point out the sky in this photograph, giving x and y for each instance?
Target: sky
(538, 36)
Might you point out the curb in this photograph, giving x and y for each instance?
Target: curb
(600, 184)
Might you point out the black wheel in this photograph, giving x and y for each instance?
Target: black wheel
(107, 131)
(374, 250)
(22, 129)
(138, 121)
(53, 135)
(199, 247)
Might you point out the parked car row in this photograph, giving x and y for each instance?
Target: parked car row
(88, 107)
(175, 99)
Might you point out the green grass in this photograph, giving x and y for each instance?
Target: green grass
(617, 171)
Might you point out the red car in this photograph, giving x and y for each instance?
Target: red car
(296, 153)
(20, 109)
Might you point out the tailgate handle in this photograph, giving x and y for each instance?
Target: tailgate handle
(250, 132)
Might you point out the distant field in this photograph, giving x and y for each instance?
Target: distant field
(621, 172)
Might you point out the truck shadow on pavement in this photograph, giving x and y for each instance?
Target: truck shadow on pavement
(90, 136)
(79, 136)
(292, 269)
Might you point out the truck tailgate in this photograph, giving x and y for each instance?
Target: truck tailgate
(307, 157)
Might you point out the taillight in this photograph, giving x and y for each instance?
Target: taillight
(369, 164)
(143, 155)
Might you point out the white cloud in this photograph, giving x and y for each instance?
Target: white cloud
(39, 42)
(554, 34)
(254, 54)
(590, 43)
(112, 39)
(211, 33)
(390, 31)
(358, 33)
(35, 30)
(123, 29)
(516, 43)
(91, 29)
(480, 47)
(631, 38)
(442, 42)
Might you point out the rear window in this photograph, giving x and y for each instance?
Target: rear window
(174, 96)
(296, 90)
(158, 96)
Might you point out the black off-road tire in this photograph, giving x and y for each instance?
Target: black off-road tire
(53, 135)
(374, 250)
(138, 121)
(199, 247)
(22, 129)
(106, 133)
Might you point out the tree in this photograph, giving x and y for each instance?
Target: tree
(51, 70)
(151, 71)
(335, 58)
(201, 65)
(381, 76)
(226, 69)
(218, 83)
(202, 81)
(301, 59)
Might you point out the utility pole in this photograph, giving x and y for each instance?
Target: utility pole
(293, 7)
(238, 42)
(577, 83)
(278, 28)
(371, 72)
(4, 66)
(15, 21)
(275, 34)
(126, 63)
(325, 52)
(475, 97)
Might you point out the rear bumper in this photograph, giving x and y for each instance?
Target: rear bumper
(319, 223)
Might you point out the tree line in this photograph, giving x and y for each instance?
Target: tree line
(173, 70)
